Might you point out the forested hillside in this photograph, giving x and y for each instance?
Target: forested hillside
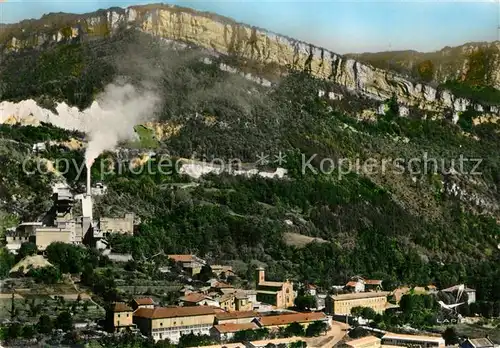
(406, 228)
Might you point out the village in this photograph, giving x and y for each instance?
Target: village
(174, 296)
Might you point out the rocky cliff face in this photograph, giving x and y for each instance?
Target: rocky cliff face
(250, 45)
(476, 62)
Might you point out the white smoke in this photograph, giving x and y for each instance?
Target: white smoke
(112, 117)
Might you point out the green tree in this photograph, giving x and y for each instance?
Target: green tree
(67, 257)
(44, 325)
(26, 249)
(317, 328)
(303, 302)
(295, 329)
(28, 331)
(14, 330)
(64, 321)
(450, 336)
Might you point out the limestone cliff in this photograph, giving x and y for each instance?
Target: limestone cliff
(249, 45)
(475, 62)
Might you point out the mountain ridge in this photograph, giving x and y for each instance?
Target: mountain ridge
(271, 52)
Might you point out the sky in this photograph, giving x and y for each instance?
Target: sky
(342, 26)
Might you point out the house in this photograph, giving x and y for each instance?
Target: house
(227, 302)
(373, 285)
(471, 293)
(398, 293)
(120, 317)
(356, 284)
(197, 299)
(343, 303)
(432, 289)
(122, 225)
(477, 343)
(242, 301)
(278, 294)
(220, 286)
(365, 342)
(393, 339)
(223, 271)
(144, 302)
(283, 320)
(310, 289)
(238, 317)
(190, 263)
(171, 322)
(225, 332)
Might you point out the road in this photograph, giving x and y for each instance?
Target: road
(336, 333)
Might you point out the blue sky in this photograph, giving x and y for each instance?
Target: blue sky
(342, 26)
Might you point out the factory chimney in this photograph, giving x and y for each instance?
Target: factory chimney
(89, 188)
(87, 198)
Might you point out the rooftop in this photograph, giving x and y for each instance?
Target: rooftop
(373, 282)
(194, 297)
(272, 284)
(391, 335)
(285, 319)
(363, 340)
(121, 307)
(481, 342)
(230, 327)
(144, 301)
(236, 315)
(360, 295)
(182, 258)
(174, 312)
(222, 285)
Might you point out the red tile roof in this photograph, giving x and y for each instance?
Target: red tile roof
(174, 312)
(121, 307)
(222, 285)
(285, 319)
(311, 286)
(181, 258)
(194, 297)
(230, 327)
(373, 282)
(236, 315)
(351, 283)
(144, 301)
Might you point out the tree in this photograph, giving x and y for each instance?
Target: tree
(298, 344)
(26, 249)
(426, 70)
(450, 336)
(368, 313)
(305, 302)
(44, 325)
(206, 273)
(294, 329)
(14, 330)
(192, 340)
(46, 275)
(28, 332)
(64, 321)
(316, 328)
(67, 257)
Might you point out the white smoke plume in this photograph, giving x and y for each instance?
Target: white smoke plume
(112, 117)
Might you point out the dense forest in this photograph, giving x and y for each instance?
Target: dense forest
(405, 228)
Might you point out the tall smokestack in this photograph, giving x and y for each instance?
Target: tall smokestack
(89, 188)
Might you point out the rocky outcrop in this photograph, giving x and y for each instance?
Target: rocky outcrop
(224, 36)
(475, 62)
